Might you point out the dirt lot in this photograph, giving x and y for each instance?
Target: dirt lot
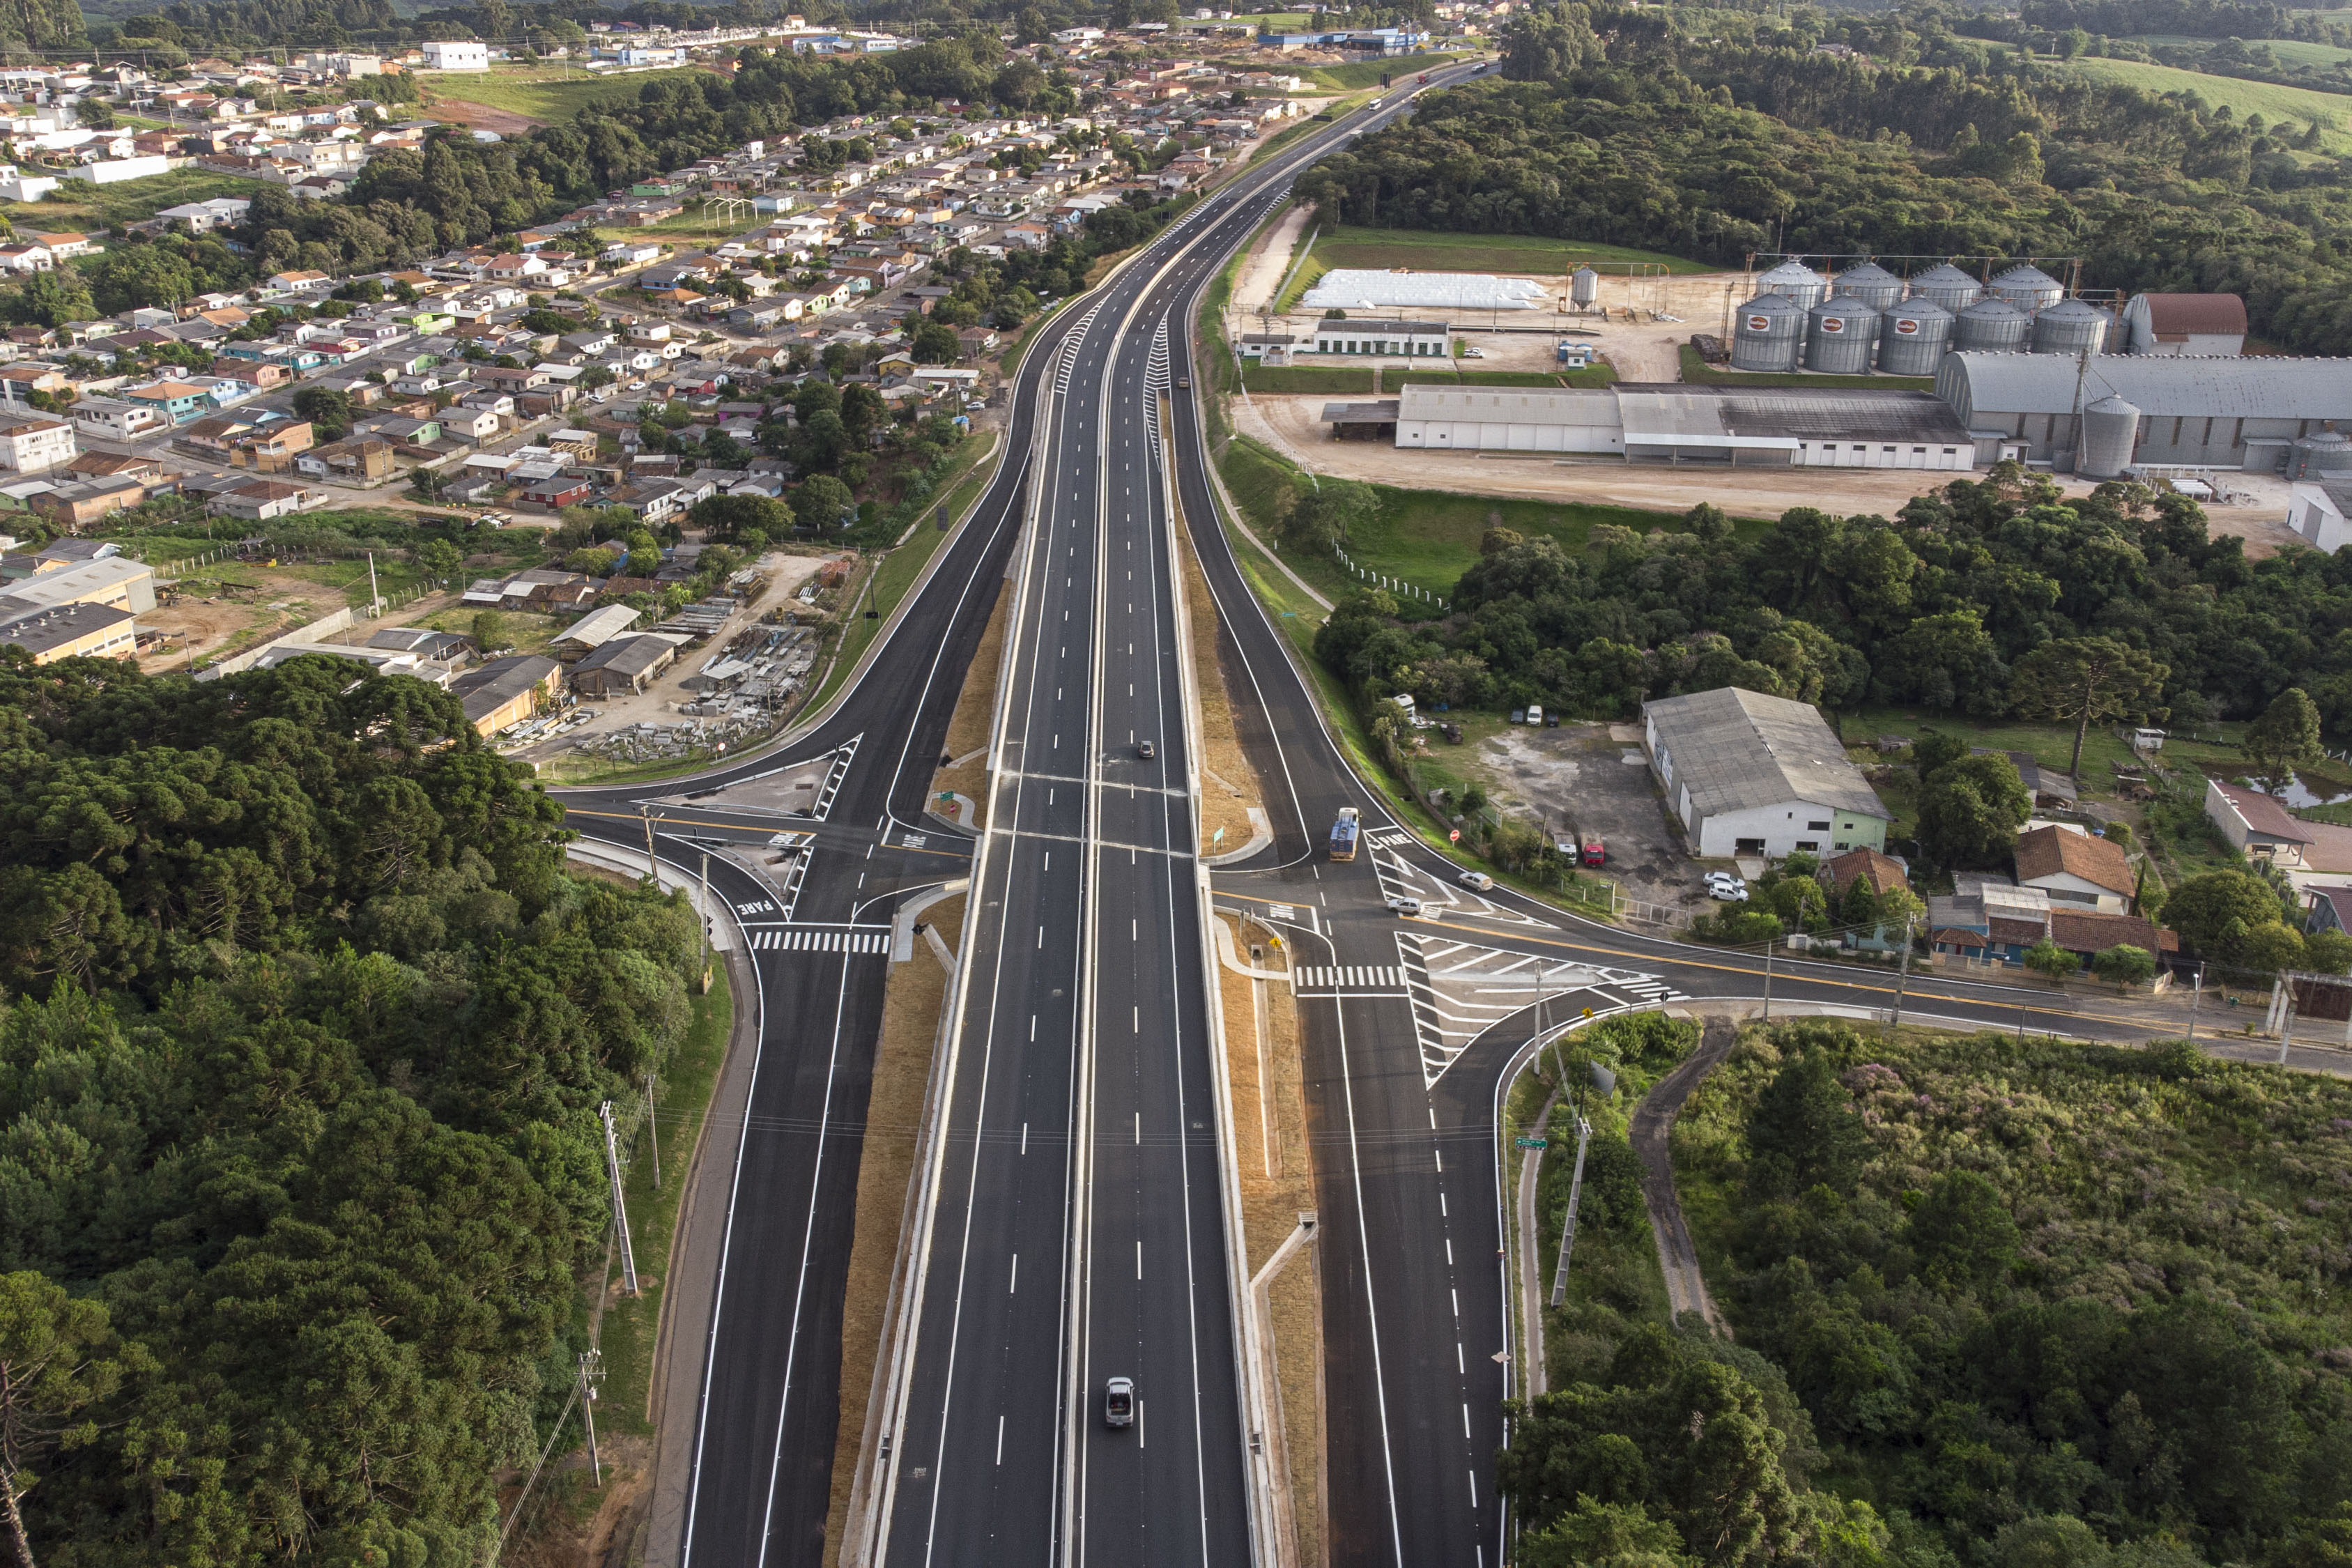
(1293, 425)
(1577, 778)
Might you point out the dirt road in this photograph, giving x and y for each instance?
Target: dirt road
(1294, 426)
(1654, 1123)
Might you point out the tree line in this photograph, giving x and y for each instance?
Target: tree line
(1988, 597)
(303, 1027)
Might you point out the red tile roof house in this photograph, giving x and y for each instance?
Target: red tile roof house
(2075, 868)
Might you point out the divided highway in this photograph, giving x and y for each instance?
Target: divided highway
(1073, 1215)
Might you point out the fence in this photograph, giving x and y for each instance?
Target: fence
(1394, 585)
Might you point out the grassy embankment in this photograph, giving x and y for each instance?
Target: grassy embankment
(550, 95)
(682, 1102)
(1368, 73)
(80, 205)
(2274, 103)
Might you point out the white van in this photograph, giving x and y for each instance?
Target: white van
(1535, 716)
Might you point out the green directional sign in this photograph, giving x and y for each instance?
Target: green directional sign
(1532, 1142)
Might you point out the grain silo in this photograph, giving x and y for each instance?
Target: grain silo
(1946, 285)
(2321, 452)
(1912, 337)
(2071, 327)
(1796, 281)
(1870, 283)
(1583, 287)
(1991, 326)
(2110, 431)
(2027, 288)
(1840, 336)
(1768, 334)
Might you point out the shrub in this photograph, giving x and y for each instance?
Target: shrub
(2125, 965)
(2046, 957)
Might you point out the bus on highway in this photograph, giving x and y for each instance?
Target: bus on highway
(1343, 835)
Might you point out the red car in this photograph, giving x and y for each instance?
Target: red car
(1595, 852)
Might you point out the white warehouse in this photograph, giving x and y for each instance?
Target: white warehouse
(1749, 775)
(1760, 428)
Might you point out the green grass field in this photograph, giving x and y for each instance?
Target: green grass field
(1698, 369)
(1306, 378)
(1427, 538)
(1368, 73)
(548, 95)
(77, 205)
(2290, 51)
(2273, 103)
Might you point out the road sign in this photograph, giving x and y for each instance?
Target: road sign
(1588, 1012)
(1454, 837)
(1532, 1142)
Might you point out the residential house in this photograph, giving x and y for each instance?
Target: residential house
(359, 458)
(32, 442)
(261, 500)
(174, 403)
(273, 449)
(2048, 786)
(2076, 868)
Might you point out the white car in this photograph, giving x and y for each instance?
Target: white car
(1726, 887)
(1404, 904)
(1473, 353)
(1477, 880)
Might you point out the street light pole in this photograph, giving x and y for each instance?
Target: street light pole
(1894, 1019)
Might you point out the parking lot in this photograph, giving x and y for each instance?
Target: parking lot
(1579, 778)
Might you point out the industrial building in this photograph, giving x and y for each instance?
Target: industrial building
(2147, 411)
(1750, 774)
(1666, 422)
(2186, 325)
(1420, 340)
(2317, 511)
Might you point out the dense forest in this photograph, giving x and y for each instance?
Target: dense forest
(305, 1031)
(1620, 127)
(2037, 1303)
(1944, 605)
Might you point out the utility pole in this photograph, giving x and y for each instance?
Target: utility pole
(1606, 1081)
(1894, 1019)
(1767, 982)
(653, 1134)
(375, 598)
(2196, 995)
(705, 912)
(2286, 1023)
(653, 867)
(620, 1210)
(592, 1372)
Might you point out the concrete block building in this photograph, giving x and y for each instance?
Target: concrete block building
(2176, 412)
(1748, 775)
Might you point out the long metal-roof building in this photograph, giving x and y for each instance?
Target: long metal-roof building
(2216, 413)
(1676, 423)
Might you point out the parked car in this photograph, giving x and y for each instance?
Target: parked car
(1725, 887)
(1519, 715)
(1477, 880)
(1473, 353)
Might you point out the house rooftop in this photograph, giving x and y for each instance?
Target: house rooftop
(2054, 851)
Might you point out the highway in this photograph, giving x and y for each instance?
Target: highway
(1071, 1218)
(1073, 1221)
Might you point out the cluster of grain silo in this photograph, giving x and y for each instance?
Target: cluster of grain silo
(1866, 319)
